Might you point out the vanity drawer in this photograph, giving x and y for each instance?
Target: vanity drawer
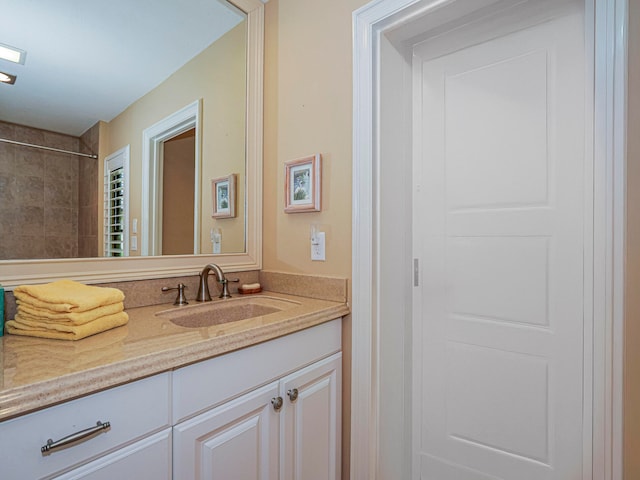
(133, 410)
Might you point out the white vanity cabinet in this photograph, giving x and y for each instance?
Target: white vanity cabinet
(271, 411)
(139, 435)
(213, 419)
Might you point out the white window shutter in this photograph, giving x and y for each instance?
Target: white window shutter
(116, 204)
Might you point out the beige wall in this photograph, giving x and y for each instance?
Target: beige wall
(308, 101)
(632, 295)
(217, 76)
(308, 110)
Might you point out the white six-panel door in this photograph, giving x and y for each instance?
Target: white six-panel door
(499, 209)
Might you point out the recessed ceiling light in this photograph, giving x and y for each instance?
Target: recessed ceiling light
(7, 78)
(12, 54)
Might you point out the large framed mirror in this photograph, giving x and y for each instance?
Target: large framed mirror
(207, 131)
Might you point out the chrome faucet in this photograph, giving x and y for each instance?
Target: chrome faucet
(203, 289)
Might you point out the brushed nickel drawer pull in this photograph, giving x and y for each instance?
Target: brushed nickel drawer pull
(74, 437)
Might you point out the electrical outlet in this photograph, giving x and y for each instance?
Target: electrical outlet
(318, 247)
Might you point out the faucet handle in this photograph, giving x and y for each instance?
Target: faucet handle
(225, 279)
(225, 287)
(180, 298)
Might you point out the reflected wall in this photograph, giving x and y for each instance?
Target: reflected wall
(218, 77)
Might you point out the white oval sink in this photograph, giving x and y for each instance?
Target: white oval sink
(219, 312)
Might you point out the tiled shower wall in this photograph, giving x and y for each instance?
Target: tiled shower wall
(88, 195)
(39, 193)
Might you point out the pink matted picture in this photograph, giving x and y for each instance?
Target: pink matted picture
(303, 184)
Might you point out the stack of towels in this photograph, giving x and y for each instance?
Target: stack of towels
(66, 310)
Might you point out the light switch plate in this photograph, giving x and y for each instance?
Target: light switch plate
(134, 243)
(318, 248)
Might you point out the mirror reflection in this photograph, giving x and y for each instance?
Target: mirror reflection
(136, 198)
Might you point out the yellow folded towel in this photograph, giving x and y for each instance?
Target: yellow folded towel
(21, 326)
(67, 296)
(65, 318)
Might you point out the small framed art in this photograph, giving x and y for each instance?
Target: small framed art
(303, 184)
(223, 195)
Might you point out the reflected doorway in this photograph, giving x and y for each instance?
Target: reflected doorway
(154, 140)
(178, 188)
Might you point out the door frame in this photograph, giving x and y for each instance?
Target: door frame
(606, 36)
(153, 139)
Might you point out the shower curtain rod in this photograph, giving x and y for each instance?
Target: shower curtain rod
(42, 147)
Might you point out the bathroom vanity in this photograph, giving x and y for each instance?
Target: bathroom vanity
(255, 398)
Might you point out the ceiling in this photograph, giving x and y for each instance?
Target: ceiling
(88, 60)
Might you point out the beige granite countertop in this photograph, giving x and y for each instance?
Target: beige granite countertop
(37, 373)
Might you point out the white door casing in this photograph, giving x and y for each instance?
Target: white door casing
(153, 139)
(498, 209)
(605, 35)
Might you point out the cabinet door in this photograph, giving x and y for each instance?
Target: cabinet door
(148, 458)
(310, 444)
(235, 441)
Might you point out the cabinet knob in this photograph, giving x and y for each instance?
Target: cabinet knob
(277, 403)
(293, 394)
